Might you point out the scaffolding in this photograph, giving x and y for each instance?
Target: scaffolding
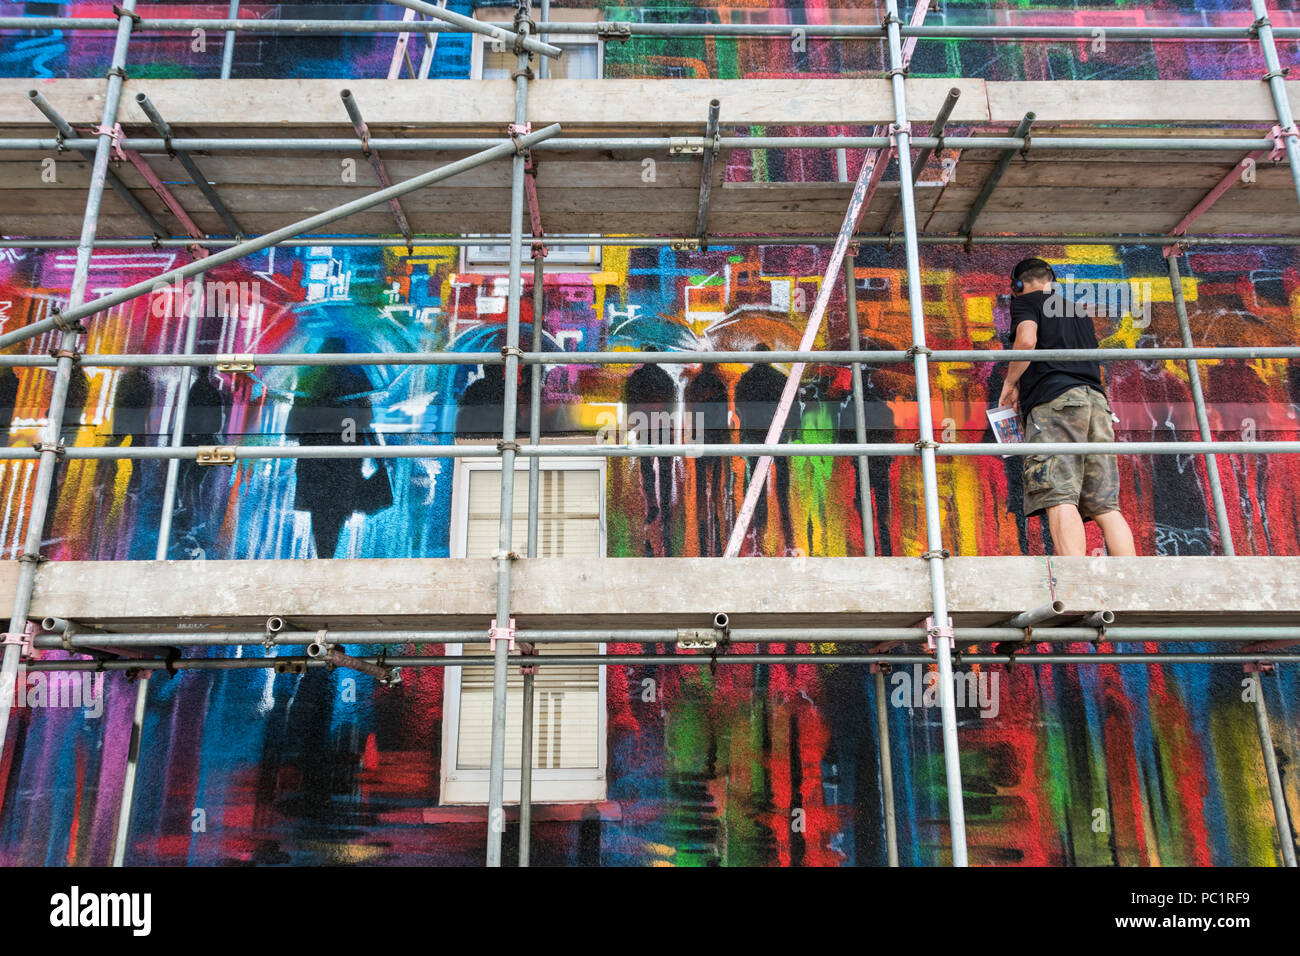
(117, 645)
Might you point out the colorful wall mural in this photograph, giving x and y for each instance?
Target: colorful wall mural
(720, 767)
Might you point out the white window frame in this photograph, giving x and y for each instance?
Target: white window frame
(495, 257)
(549, 785)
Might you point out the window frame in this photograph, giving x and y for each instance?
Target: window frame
(549, 785)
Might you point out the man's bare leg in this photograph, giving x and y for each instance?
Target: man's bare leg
(1119, 538)
(1068, 535)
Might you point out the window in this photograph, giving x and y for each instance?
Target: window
(583, 59)
(568, 701)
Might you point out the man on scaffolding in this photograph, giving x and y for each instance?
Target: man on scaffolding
(1062, 402)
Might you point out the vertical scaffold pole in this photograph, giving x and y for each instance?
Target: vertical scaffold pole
(63, 370)
(1285, 840)
(496, 765)
(940, 631)
(1198, 402)
(534, 482)
(1277, 86)
(869, 548)
(160, 553)
(1283, 822)
(228, 48)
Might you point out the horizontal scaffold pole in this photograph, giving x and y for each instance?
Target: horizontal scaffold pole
(211, 454)
(627, 29)
(717, 242)
(1113, 634)
(642, 660)
(692, 357)
(1002, 143)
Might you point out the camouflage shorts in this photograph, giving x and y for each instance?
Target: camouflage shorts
(1091, 482)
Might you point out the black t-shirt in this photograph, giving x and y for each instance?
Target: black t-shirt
(1060, 326)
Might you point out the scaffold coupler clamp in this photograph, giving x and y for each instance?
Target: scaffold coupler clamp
(722, 628)
(119, 13)
(22, 641)
(115, 133)
(65, 325)
(1279, 136)
(516, 131)
(614, 30)
(71, 354)
(496, 633)
(58, 448)
(528, 649)
(897, 129)
(937, 632)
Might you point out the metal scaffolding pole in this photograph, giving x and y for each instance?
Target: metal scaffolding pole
(682, 357)
(941, 627)
(1286, 842)
(88, 149)
(78, 311)
(640, 660)
(1198, 402)
(985, 634)
(873, 168)
(210, 454)
(195, 174)
(1263, 30)
(649, 242)
(228, 48)
(160, 553)
(534, 488)
(623, 29)
(602, 144)
(52, 441)
(502, 624)
(869, 548)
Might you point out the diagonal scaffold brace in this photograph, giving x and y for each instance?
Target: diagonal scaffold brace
(76, 313)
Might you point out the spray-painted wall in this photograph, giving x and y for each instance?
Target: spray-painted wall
(1072, 765)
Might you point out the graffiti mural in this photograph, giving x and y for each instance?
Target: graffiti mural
(775, 765)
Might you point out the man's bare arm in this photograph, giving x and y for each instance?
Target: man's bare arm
(1026, 340)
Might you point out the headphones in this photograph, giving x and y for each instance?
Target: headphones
(1023, 266)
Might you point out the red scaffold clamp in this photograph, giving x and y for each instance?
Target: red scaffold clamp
(501, 633)
(23, 641)
(936, 632)
(114, 131)
(515, 131)
(1279, 137)
(528, 650)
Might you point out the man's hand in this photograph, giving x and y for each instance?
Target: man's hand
(1010, 397)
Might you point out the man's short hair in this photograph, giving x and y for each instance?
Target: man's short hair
(1031, 270)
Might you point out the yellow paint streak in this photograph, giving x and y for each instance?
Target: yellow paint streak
(1162, 290)
(979, 318)
(1090, 255)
